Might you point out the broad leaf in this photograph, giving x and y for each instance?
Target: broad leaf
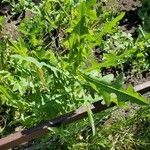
(122, 94)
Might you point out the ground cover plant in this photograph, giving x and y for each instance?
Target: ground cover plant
(48, 65)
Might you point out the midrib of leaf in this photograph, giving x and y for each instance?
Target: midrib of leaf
(133, 97)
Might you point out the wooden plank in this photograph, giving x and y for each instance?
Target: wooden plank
(143, 88)
(17, 138)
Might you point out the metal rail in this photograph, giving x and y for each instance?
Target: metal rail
(18, 138)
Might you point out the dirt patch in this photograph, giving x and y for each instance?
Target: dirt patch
(5, 8)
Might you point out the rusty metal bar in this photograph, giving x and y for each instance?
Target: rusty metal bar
(17, 138)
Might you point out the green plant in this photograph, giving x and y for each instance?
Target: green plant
(121, 48)
(124, 128)
(52, 69)
(144, 15)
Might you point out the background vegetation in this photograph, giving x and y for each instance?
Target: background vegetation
(56, 56)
